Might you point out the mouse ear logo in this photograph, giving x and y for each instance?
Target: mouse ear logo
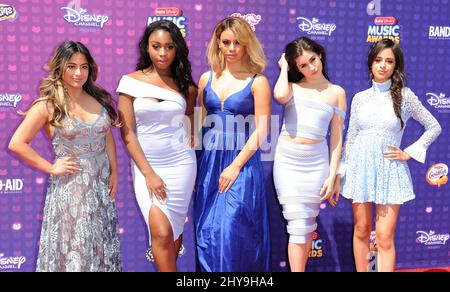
(374, 7)
(251, 18)
(437, 175)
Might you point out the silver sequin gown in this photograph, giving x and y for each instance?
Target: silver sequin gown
(79, 228)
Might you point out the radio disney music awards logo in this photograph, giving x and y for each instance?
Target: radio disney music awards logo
(11, 186)
(431, 238)
(79, 16)
(8, 12)
(374, 8)
(439, 101)
(384, 27)
(316, 247)
(437, 175)
(173, 14)
(9, 101)
(252, 18)
(314, 28)
(439, 32)
(11, 263)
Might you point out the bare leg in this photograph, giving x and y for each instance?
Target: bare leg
(163, 246)
(298, 255)
(386, 222)
(362, 217)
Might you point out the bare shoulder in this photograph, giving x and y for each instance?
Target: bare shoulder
(338, 90)
(261, 81)
(43, 108)
(261, 90)
(137, 75)
(204, 79)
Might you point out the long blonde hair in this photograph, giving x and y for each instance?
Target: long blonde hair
(53, 92)
(255, 58)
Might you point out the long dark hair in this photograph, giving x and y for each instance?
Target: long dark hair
(398, 77)
(52, 89)
(295, 49)
(181, 67)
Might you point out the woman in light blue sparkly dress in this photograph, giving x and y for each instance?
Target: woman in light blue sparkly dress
(375, 168)
(79, 228)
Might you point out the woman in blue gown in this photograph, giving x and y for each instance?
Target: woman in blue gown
(231, 210)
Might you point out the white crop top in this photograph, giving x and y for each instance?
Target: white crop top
(308, 118)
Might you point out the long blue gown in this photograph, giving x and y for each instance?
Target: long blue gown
(232, 228)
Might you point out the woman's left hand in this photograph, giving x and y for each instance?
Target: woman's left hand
(112, 186)
(396, 154)
(327, 191)
(228, 177)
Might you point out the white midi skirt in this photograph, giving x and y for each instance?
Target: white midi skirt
(176, 165)
(299, 172)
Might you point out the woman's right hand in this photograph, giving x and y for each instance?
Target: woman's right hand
(156, 186)
(282, 62)
(67, 165)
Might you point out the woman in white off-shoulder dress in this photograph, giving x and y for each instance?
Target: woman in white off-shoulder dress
(154, 103)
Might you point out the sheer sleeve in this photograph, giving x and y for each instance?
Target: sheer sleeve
(414, 108)
(352, 132)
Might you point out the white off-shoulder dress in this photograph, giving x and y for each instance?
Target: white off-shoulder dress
(161, 129)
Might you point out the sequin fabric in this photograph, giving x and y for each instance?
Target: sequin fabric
(79, 228)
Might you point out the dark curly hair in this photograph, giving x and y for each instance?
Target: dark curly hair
(295, 49)
(181, 67)
(398, 77)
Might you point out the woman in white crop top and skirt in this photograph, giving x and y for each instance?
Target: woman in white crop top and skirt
(304, 171)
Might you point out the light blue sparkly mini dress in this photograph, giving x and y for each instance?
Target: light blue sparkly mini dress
(367, 176)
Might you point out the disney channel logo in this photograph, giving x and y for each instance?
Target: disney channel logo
(10, 100)
(11, 263)
(7, 12)
(81, 18)
(314, 27)
(173, 14)
(431, 238)
(438, 101)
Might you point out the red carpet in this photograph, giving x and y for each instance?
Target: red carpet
(443, 269)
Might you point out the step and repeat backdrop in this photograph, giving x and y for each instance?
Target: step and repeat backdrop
(31, 29)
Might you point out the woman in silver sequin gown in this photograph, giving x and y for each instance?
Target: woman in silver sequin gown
(79, 228)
